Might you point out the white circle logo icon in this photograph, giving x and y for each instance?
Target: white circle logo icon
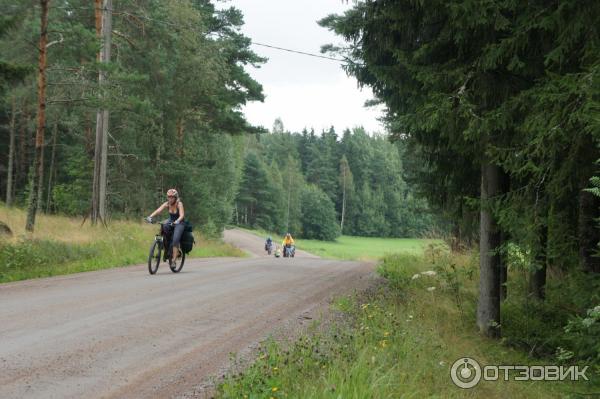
(465, 373)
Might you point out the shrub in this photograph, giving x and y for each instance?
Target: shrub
(545, 328)
(582, 334)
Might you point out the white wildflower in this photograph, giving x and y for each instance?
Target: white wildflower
(430, 289)
(587, 322)
(416, 276)
(429, 273)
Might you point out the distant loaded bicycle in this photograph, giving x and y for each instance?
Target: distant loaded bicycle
(162, 246)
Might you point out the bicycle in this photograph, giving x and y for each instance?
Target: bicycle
(289, 251)
(162, 244)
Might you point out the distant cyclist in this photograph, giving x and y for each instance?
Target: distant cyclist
(176, 217)
(287, 244)
(269, 245)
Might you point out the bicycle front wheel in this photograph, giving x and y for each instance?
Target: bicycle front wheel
(154, 257)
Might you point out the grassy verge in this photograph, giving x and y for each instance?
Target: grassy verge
(356, 248)
(398, 341)
(364, 248)
(61, 245)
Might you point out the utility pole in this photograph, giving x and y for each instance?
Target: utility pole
(101, 148)
(38, 165)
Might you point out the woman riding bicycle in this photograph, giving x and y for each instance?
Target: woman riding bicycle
(176, 217)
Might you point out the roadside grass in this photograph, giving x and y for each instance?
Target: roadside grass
(356, 248)
(62, 245)
(398, 340)
(364, 248)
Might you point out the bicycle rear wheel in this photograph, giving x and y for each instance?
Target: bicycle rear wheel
(154, 257)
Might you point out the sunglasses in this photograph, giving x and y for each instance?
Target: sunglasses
(171, 196)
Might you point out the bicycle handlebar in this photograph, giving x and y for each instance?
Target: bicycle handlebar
(152, 221)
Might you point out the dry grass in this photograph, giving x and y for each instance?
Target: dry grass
(67, 229)
(62, 245)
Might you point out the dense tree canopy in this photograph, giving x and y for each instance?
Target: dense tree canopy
(174, 89)
(498, 104)
(176, 84)
(361, 176)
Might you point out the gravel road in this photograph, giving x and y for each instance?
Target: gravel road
(122, 333)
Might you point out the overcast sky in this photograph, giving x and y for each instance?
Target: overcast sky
(303, 91)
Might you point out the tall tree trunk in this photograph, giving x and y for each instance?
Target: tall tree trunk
(40, 192)
(504, 237)
(101, 148)
(537, 277)
(89, 141)
(21, 172)
(488, 305)
(38, 165)
(98, 21)
(51, 170)
(11, 155)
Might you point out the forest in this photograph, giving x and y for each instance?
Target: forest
(167, 126)
(181, 131)
(499, 105)
(321, 186)
(492, 112)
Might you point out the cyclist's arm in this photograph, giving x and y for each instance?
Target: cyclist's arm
(159, 210)
(181, 212)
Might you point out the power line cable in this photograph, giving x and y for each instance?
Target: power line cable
(299, 52)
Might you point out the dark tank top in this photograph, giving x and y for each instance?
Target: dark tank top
(174, 216)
